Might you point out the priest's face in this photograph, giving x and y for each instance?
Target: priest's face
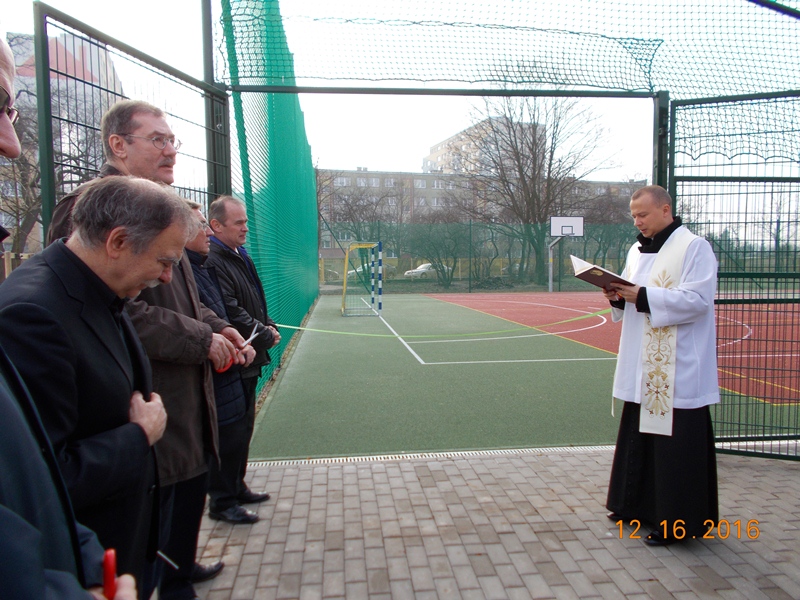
(648, 216)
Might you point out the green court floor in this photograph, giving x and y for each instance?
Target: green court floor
(451, 379)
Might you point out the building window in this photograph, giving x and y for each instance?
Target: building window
(344, 236)
(421, 202)
(437, 201)
(341, 181)
(388, 182)
(361, 181)
(391, 201)
(374, 182)
(451, 185)
(438, 184)
(419, 184)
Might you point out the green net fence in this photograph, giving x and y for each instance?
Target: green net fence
(736, 176)
(474, 256)
(710, 48)
(273, 174)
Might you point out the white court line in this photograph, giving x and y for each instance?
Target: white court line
(520, 360)
(402, 341)
(739, 340)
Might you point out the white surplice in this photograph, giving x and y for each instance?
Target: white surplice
(690, 306)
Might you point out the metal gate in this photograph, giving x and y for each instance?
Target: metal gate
(80, 73)
(735, 175)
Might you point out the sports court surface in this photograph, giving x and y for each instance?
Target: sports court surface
(449, 372)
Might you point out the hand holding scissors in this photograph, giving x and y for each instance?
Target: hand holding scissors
(253, 336)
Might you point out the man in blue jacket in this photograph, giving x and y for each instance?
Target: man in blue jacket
(228, 390)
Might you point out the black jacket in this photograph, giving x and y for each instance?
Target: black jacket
(44, 552)
(228, 389)
(245, 302)
(79, 356)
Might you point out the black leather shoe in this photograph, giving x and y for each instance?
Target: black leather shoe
(206, 572)
(235, 515)
(614, 516)
(656, 538)
(251, 497)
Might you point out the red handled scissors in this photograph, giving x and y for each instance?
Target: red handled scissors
(253, 336)
(110, 574)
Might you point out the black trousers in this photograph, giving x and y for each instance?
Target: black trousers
(187, 511)
(657, 478)
(227, 480)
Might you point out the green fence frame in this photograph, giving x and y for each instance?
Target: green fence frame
(736, 181)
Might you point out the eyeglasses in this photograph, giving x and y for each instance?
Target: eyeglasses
(5, 101)
(159, 141)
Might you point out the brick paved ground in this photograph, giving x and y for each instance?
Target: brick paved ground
(518, 525)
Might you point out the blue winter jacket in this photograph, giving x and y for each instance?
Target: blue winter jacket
(228, 389)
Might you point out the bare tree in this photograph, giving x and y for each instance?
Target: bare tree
(442, 238)
(364, 212)
(523, 157)
(77, 149)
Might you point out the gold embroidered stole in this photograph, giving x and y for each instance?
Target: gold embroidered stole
(659, 350)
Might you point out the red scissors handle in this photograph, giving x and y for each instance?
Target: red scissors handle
(226, 367)
(110, 574)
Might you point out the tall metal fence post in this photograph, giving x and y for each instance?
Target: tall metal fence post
(47, 186)
(661, 138)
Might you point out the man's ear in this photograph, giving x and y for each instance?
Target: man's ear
(215, 225)
(116, 242)
(118, 147)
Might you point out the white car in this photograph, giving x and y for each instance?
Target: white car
(423, 271)
(388, 271)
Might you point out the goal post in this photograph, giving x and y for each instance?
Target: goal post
(362, 288)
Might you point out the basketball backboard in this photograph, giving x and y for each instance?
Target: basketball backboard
(566, 226)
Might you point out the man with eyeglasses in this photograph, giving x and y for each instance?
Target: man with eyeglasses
(136, 141)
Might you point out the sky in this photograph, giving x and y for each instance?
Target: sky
(377, 132)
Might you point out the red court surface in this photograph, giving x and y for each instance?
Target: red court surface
(583, 317)
(758, 346)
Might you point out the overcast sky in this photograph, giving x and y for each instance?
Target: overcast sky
(345, 131)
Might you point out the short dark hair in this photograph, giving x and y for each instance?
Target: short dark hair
(219, 208)
(145, 208)
(121, 119)
(659, 195)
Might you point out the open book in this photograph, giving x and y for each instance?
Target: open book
(595, 275)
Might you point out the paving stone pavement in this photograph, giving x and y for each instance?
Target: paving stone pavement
(513, 524)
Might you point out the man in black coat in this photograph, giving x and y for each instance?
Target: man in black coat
(62, 321)
(44, 552)
(246, 307)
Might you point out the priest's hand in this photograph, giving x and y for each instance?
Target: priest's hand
(624, 292)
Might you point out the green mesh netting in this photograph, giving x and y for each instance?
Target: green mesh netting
(711, 48)
(273, 173)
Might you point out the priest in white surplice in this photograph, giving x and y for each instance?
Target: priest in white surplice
(664, 473)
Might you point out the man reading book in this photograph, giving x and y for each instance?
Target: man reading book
(664, 473)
